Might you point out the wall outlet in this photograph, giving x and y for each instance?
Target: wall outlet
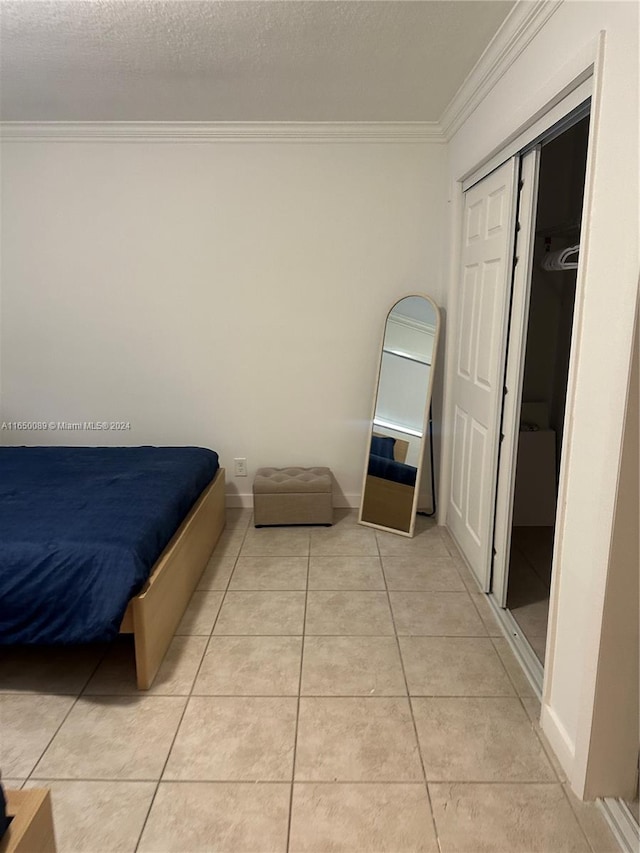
(240, 467)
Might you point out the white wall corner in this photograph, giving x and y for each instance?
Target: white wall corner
(522, 24)
(380, 132)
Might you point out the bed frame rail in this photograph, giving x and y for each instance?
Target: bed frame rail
(154, 615)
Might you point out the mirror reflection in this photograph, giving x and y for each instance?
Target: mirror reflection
(400, 415)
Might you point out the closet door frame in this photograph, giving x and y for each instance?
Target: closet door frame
(560, 114)
(516, 353)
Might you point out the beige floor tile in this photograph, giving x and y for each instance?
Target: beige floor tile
(113, 738)
(356, 740)
(336, 542)
(98, 817)
(348, 613)
(447, 538)
(116, 675)
(352, 666)
(363, 818)
(217, 573)
(453, 666)
(270, 573)
(261, 613)
(593, 823)
(532, 707)
(480, 600)
(238, 518)
(427, 574)
(10, 784)
(200, 615)
(532, 618)
(354, 573)
(520, 681)
(48, 669)
(505, 818)
(467, 577)
(202, 817)
(276, 542)
(344, 517)
(426, 543)
(27, 724)
(524, 583)
(539, 646)
(250, 666)
(248, 739)
(229, 544)
(436, 614)
(479, 740)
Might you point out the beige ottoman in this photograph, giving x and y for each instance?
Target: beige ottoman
(292, 496)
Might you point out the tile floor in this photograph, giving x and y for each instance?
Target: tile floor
(530, 583)
(329, 689)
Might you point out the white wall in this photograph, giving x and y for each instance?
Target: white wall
(603, 337)
(230, 295)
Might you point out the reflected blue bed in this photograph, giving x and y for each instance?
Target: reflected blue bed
(80, 531)
(389, 469)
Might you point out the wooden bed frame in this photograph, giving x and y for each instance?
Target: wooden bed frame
(154, 614)
(31, 827)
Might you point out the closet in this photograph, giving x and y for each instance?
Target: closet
(562, 167)
(520, 253)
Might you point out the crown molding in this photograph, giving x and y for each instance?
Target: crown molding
(412, 323)
(522, 24)
(381, 132)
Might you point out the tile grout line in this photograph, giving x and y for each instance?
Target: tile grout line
(76, 697)
(65, 718)
(396, 695)
(518, 695)
(295, 733)
(418, 557)
(413, 720)
(187, 700)
(252, 782)
(506, 669)
(577, 819)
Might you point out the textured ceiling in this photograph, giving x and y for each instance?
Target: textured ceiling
(238, 60)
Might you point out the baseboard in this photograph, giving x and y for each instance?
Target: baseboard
(245, 500)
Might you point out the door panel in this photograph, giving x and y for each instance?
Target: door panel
(487, 253)
(514, 372)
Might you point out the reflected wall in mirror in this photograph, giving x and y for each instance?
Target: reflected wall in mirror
(397, 437)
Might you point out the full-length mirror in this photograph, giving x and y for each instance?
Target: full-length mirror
(397, 439)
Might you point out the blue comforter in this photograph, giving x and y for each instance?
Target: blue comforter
(80, 531)
(389, 469)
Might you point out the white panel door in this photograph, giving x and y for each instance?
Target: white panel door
(485, 285)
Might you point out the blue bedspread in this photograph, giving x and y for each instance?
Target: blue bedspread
(389, 469)
(80, 530)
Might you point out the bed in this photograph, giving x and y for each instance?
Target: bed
(97, 541)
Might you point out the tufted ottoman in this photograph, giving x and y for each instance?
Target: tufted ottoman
(292, 496)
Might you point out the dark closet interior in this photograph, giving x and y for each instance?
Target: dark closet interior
(546, 372)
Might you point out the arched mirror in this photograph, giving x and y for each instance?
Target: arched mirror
(397, 439)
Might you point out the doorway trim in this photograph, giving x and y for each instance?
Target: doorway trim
(578, 80)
